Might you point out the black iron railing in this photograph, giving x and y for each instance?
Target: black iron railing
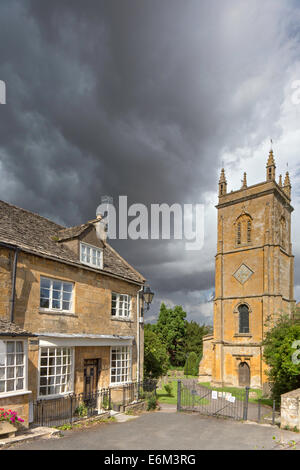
(75, 407)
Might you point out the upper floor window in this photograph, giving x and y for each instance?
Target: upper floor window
(243, 319)
(12, 366)
(120, 305)
(91, 255)
(56, 295)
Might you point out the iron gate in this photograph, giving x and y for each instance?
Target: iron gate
(192, 396)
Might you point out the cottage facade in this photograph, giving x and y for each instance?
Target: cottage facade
(78, 304)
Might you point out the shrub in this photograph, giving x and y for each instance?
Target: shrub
(151, 403)
(81, 410)
(191, 364)
(168, 389)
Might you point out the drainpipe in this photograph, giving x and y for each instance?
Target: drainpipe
(14, 275)
(138, 335)
(13, 287)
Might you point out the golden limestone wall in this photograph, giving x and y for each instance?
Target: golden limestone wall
(264, 283)
(92, 311)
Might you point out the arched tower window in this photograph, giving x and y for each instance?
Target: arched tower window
(244, 229)
(243, 319)
(238, 234)
(249, 231)
(282, 231)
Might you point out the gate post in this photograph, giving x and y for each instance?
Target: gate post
(245, 415)
(71, 409)
(178, 395)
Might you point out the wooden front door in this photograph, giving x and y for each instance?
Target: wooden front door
(244, 375)
(91, 375)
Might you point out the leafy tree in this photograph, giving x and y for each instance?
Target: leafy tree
(283, 372)
(156, 358)
(194, 338)
(191, 364)
(171, 328)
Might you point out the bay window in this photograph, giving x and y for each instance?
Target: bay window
(56, 371)
(13, 363)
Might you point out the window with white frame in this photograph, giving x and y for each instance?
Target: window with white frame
(56, 295)
(120, 371)
(120, 305)
(91, 255)
(56, 371)
(13, 362)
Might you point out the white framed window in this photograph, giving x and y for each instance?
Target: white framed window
(91, 255)
(120, 305)
(55, 371)
(120, 365)
(13, 366)
(56, 295)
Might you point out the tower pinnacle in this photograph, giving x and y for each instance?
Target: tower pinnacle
(222, 183)
(271, 167)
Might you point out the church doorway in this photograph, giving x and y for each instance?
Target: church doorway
(244, 375)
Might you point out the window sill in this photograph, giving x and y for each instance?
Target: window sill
(119, 384)
(130, 320)
(15, 394)
(244, 335)
(58, 312)
(53, 397)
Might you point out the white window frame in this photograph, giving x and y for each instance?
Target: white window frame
(24, 364)
(129, 372)
(121, 311)
(90, 263)
(71, 383)
(50, 308)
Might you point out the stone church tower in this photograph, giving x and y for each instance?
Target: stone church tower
(253, 277)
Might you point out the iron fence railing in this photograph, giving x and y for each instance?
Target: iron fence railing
(229, 402)
(74, 407)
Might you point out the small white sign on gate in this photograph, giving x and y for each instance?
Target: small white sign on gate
(214, 395)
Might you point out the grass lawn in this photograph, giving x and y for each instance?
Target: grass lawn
(163, 397)
(237, 391)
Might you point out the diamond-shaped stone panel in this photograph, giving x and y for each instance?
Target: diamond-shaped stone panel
(243, 274)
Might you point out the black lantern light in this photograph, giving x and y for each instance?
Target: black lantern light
(147, 296)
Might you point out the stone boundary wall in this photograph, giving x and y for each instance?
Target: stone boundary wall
(139, 406)
(290, 410)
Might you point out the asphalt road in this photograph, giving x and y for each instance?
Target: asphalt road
(170, 431)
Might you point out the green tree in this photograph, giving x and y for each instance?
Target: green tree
(156, 358)
(194, 338)
(171, 328)
(283, 372)
(191, 364)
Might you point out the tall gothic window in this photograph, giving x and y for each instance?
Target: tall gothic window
(249, 231)
(244, 229)
(243, 319)
(238, 234)
(282, 232)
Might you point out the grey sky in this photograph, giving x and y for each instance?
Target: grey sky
(146, 98)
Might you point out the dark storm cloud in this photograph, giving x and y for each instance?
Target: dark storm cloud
(135, 97)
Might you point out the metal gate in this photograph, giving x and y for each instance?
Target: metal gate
(192, 396)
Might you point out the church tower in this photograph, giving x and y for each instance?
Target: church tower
(254, 269)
